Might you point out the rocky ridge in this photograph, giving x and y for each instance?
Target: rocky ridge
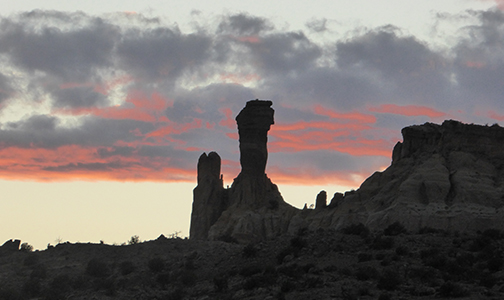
(448, 176)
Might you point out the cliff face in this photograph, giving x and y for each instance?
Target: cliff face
(448, 176)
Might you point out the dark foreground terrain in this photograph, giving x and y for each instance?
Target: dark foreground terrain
(352, 264)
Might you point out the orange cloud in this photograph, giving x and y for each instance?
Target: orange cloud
(138, 106)
(353, 116)
(495, 116)
(80, 163)
(229, 121)
(408, 110)
(174, 128)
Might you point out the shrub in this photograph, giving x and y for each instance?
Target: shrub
(134, 240)
(97, 268)
(25, 247)
(163, 279)
(363, 257)
(494, 234)
(427, 230)
(220, 282)
(298, 242)
(357, 229)
(39, 271)
(385, 296)
(287, 286)
(402, 250)
(495, 264)
(382, 243)
(32, 287)
(156, 264)
(31, 260)
(366, 273)
(127, 267)
(188, 278)
(250, 270)
(389, 280)
(488, 280)
(227, 238)
(249, 251)
(452, 289)
(394, 229)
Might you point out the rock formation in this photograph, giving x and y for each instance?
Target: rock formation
(448, 176)
(253, 208)
(209, 196)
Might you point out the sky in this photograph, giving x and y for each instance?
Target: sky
(105, 106)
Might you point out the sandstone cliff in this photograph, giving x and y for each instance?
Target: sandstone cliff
(448, 176)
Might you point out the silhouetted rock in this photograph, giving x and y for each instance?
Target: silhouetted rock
(448, 176)
(10, 246)
(209, 197)
(253, 209)
(321, 201)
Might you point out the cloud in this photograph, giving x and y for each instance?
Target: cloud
(127, 97)
(408, 110)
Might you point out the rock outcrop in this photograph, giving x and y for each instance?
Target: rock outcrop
(210, 197)
(448, 176)
(253, 208)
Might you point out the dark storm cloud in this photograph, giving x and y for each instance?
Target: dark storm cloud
(162, 52)
(282, 53)
(67, 54)
(43, 131)
(78, 97)
(243, 24)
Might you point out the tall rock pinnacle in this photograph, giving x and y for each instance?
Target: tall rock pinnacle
(254, 122)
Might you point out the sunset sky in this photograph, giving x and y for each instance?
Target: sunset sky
(105, 106)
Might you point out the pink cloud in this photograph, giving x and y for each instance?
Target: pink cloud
(408, 110)
(353, 116)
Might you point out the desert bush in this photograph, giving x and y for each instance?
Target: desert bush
(394, 229)
(356, 229)
(134, 240)
(389, 280)
(176, 294)
(97, 268)
(39, 271)
(10, 294)
(298, 242)
(221, 282)
(385, 296)
(32, 287)
(382, 243)
(311, 282)
(227, 238)
(363, 257)
(156, 264)
(488, 280)
(287, 286)
(366, 273)
(427, 230)
(163, 279)
(249, 251)
(495, 264)
(108, 285)
(494, 234)
(251, 283)
(30, 260)
(59, 287)
(402, 250)
(26, 247)
(284, 252)
(188, 278)
(127, 267)
(293, 271)
(452, 290)
(250, 270)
